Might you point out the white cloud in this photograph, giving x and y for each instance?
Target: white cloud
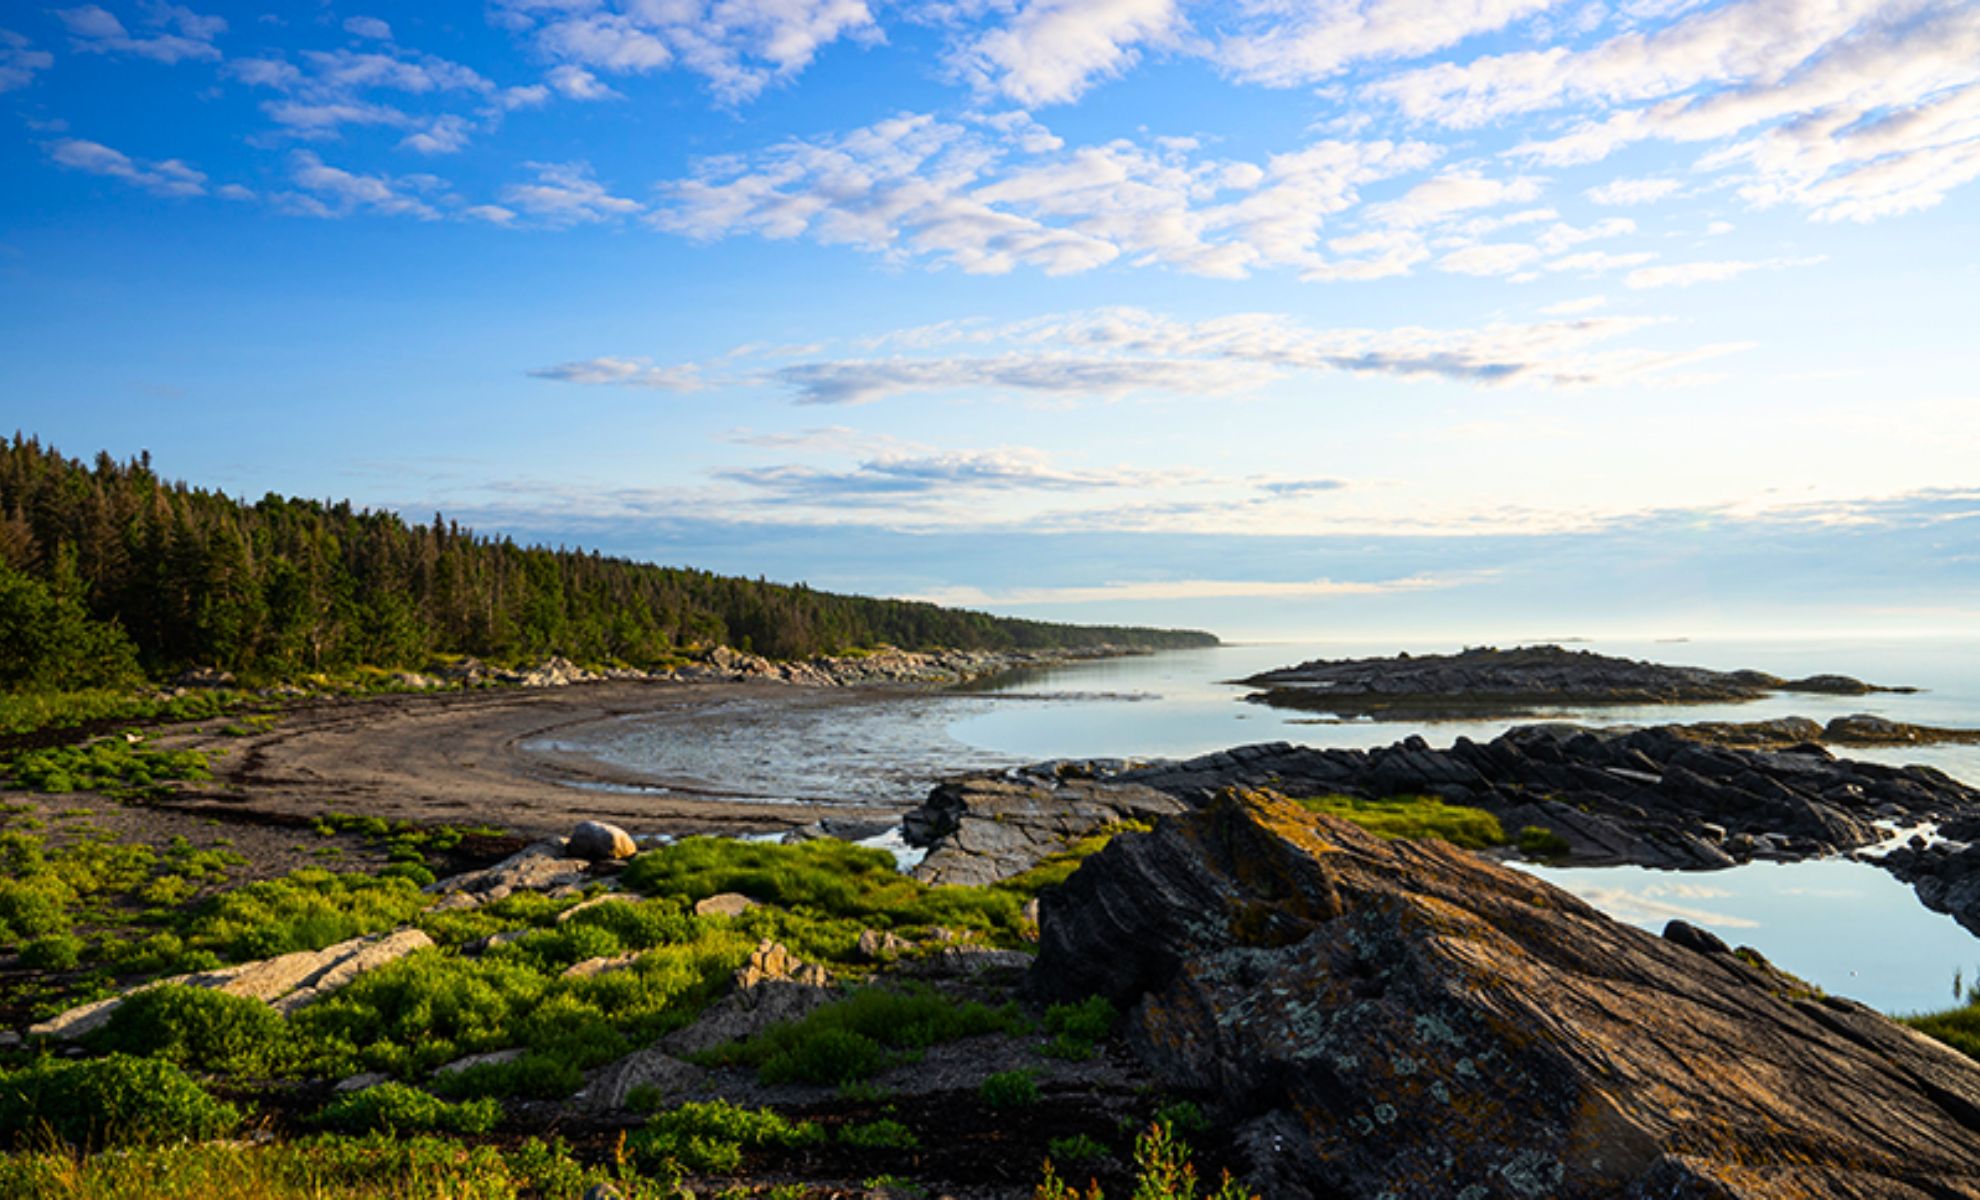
(169, 177)
(864, 381)
(566, 194)
(1686, 274)
(332, 192)
(1190, 589)
(914, 187)
(1633, 191)
(1451, 193)
(1502, 258)
(1599, 262)
(1575, 308)
(894, 477)
(1285, 45)
(623, 372)
(444, 135)
(739, 46)
(19, 61)
(368, 27)
(577, 83)
(1114, 352)
(180, 34)
(1051, 51)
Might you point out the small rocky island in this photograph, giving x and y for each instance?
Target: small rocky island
(1489, 682)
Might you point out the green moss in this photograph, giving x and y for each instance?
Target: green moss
(1415, 817)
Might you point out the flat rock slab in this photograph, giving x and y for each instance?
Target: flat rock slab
(983, 828)
(1405, 1019)
(287, 982)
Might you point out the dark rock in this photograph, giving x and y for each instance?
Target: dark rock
(1404, 1019)
(594, 841)
(982, 828)
(1485, 680)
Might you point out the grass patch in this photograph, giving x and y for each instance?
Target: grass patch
(1415, 817)
(397, 1108)
(111, 766)
(328, 1167)
(1956, 1027)
(712, 1136)
(109, 1101)
(860, 1036)
(1009, 1089)
(197, 1027)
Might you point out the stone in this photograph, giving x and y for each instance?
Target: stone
(881, 946)
(360, 1081)
(594, 902)
(601, 966)
(368, 955)
(541, 867)
(1405, 1018)
(595, 841)
(771, 961)
(723, 904)
(984, 828)
(746, 1012)
(492, 1058)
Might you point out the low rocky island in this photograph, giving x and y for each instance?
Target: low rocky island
(1489, 682)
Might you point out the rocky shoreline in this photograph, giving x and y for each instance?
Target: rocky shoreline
(1486, 681)
(1666, 797)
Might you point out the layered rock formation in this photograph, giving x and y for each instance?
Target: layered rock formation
(982, 828)
(1406, 1020)
(1514, 682)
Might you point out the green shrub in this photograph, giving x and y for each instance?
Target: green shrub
(711, 1136)
(1163, 1171)
(859, 1036)
(1415, 817)
(306, 910)
(1538, 841)
(1009, 1089)
(1076, 1149)
(827, 1056)
(879, 1135)
(397, 1108)
(197, 1027)
(1956, 1027)
(1090, 1019)
(56, 952)
(108, 1101)
(538, 1076)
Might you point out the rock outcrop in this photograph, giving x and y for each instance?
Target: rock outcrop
(982, 828)
(1668, 797)
(1515, 682)
(595, 841)
(1404, 1019)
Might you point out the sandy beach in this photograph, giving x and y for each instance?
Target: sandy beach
(461, 758)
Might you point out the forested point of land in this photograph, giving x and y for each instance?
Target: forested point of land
(109, 572)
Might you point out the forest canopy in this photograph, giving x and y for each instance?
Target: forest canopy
(106, 569)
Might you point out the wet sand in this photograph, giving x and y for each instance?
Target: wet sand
(462, 758)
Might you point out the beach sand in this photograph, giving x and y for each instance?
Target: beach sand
(459, 758)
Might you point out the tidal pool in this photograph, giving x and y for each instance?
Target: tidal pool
(1848, 927)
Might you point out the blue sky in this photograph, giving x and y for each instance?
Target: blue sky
(1494, 318)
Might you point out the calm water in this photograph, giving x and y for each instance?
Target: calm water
(1846, 926)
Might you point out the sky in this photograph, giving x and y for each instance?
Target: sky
(1351, 318)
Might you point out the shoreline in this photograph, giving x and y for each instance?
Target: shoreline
(465, 757)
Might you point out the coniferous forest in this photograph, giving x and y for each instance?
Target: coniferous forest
(109, 572)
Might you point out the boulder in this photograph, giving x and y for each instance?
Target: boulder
(595, 841)
(983, 828)
(723, 904)
(1405, 1019)
(542, 867)
(771, 961)
(493, 1058)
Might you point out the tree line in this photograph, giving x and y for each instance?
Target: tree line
(108, 570)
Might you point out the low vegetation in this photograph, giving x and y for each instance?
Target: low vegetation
(1415, 817)
(858, 1037)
